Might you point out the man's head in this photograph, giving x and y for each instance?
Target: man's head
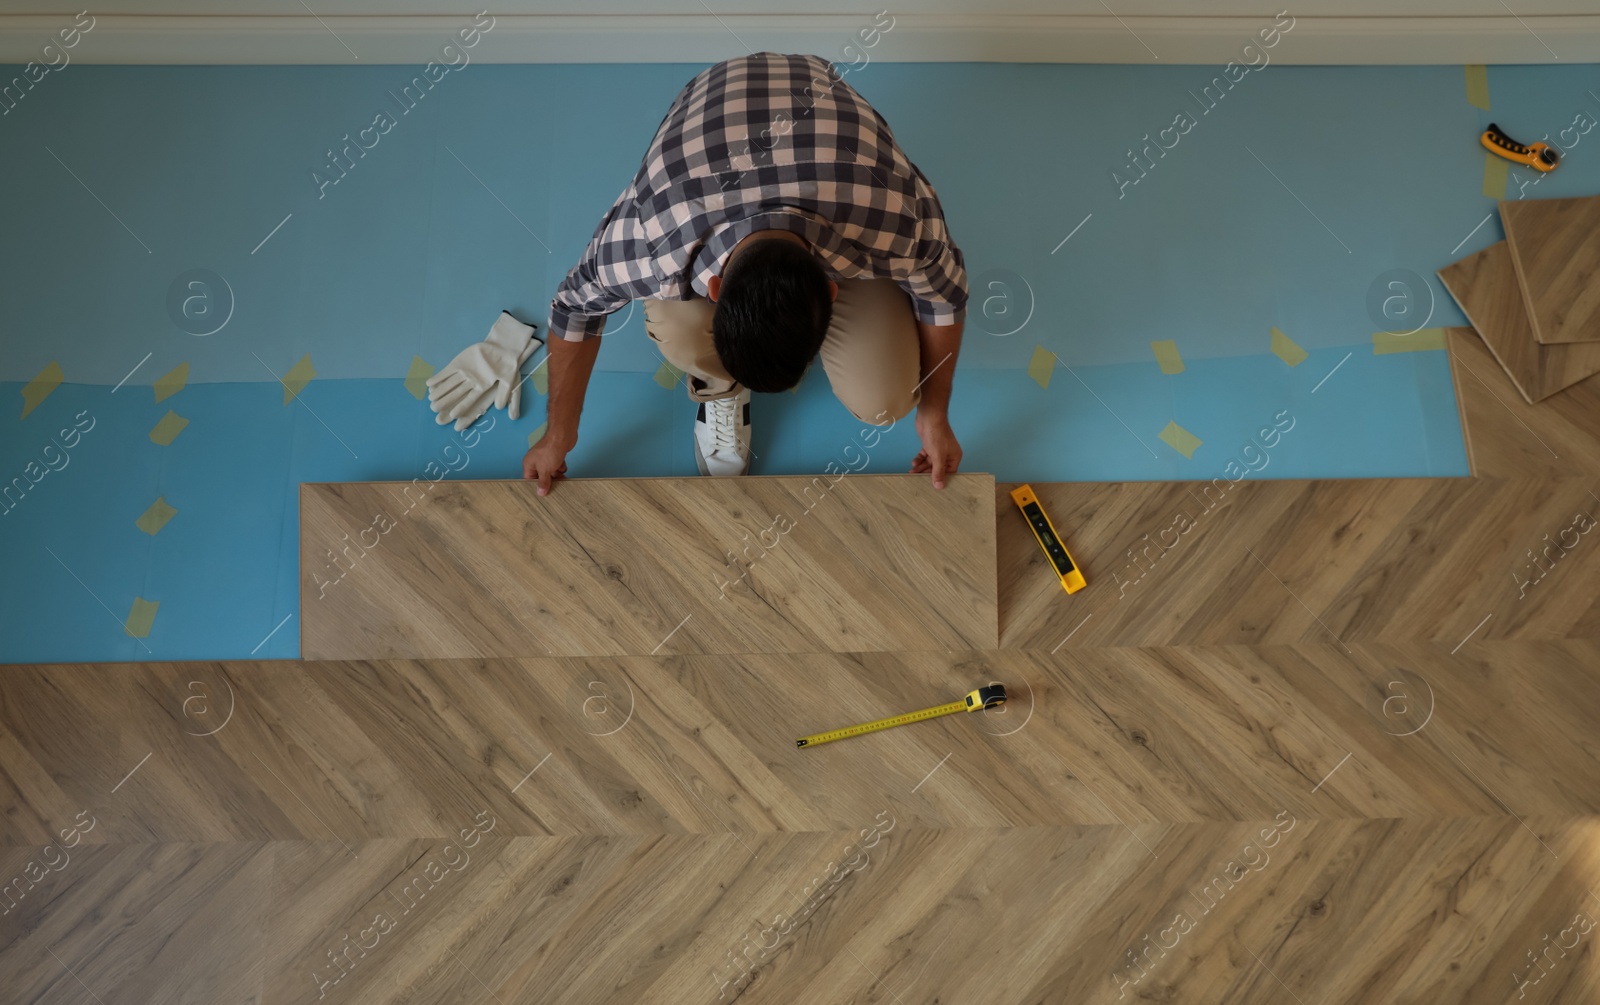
(774, 303)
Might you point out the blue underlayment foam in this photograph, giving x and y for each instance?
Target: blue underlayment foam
(225, 567)
(1278, 208)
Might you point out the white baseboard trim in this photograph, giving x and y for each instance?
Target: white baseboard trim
(705, 38)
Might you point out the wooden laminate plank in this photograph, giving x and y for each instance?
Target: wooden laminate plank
(343, 753)
(1267, 910)
(1398, 822)
(1330, 912)
(181, 923)
(1505, 436)
(1329, 562)
(1027, 915)
(639, 566)
(1555, 247)
(1485, 285)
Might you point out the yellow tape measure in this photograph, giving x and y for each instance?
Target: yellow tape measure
(984, 697)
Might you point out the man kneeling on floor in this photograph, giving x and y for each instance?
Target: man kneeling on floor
(774, 219)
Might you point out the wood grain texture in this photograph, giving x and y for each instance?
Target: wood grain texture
(1555, 247)
(1331, 912)
(636, 566)
(1036, 915)
(349, 752)
(1332, 562)
(178, 922)
(1485, 285)
(1507, 437)
(522, 842)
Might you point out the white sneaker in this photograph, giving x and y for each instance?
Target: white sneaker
(722, 435)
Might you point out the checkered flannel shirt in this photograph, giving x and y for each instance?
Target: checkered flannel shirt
(766, 142)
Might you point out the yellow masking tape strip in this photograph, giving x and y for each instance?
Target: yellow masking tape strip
(39, 388)
(533, 437)
(668, 376)
(1422, 340)
(297, 378)
(1167, 356)
(1478, 86)
(1286, 349)
(171, 382)
(155, 517)
(1180, 439)
(141, 617)
(1042, 366)
(417, 377)
(540, 378)
(168, 429)
(1495, 170)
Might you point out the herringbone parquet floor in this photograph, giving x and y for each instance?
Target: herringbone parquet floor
(1321, 742)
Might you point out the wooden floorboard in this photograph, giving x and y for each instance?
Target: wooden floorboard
(1263, 910)
(1507, 437)
(1336, 562)
(1485, 286)
(1555, 245)
(638, 566)
(670, 745)
(926, 916)
(621, 828)
(169, 922)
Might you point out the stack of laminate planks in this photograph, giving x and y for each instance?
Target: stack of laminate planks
(1535, 296)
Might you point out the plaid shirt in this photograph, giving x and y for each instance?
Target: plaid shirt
(766, 142)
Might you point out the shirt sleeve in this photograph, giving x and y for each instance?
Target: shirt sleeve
(937, 283)
(582, 301)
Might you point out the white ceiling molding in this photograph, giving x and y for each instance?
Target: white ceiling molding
(701, 38)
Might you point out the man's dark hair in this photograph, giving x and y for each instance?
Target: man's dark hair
(772, 315)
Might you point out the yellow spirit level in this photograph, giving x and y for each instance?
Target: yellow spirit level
(1055, 549)
(988, 696)
(1536, 155)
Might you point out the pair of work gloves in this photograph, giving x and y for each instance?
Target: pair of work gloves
(488, 373)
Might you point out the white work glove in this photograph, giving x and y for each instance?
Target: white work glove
(484, 374)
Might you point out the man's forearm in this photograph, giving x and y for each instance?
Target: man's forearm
(941, 344)
(570, 365)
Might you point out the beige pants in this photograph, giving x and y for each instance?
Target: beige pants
(872, 354)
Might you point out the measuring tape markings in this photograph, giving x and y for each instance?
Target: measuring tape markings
(989, 696)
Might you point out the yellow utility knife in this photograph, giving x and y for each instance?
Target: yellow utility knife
(1538, 156)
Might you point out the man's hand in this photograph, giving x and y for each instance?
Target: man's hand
(547, 461)
(940, 454)
(570, 364)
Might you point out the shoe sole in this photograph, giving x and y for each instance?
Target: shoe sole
(700, 462)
